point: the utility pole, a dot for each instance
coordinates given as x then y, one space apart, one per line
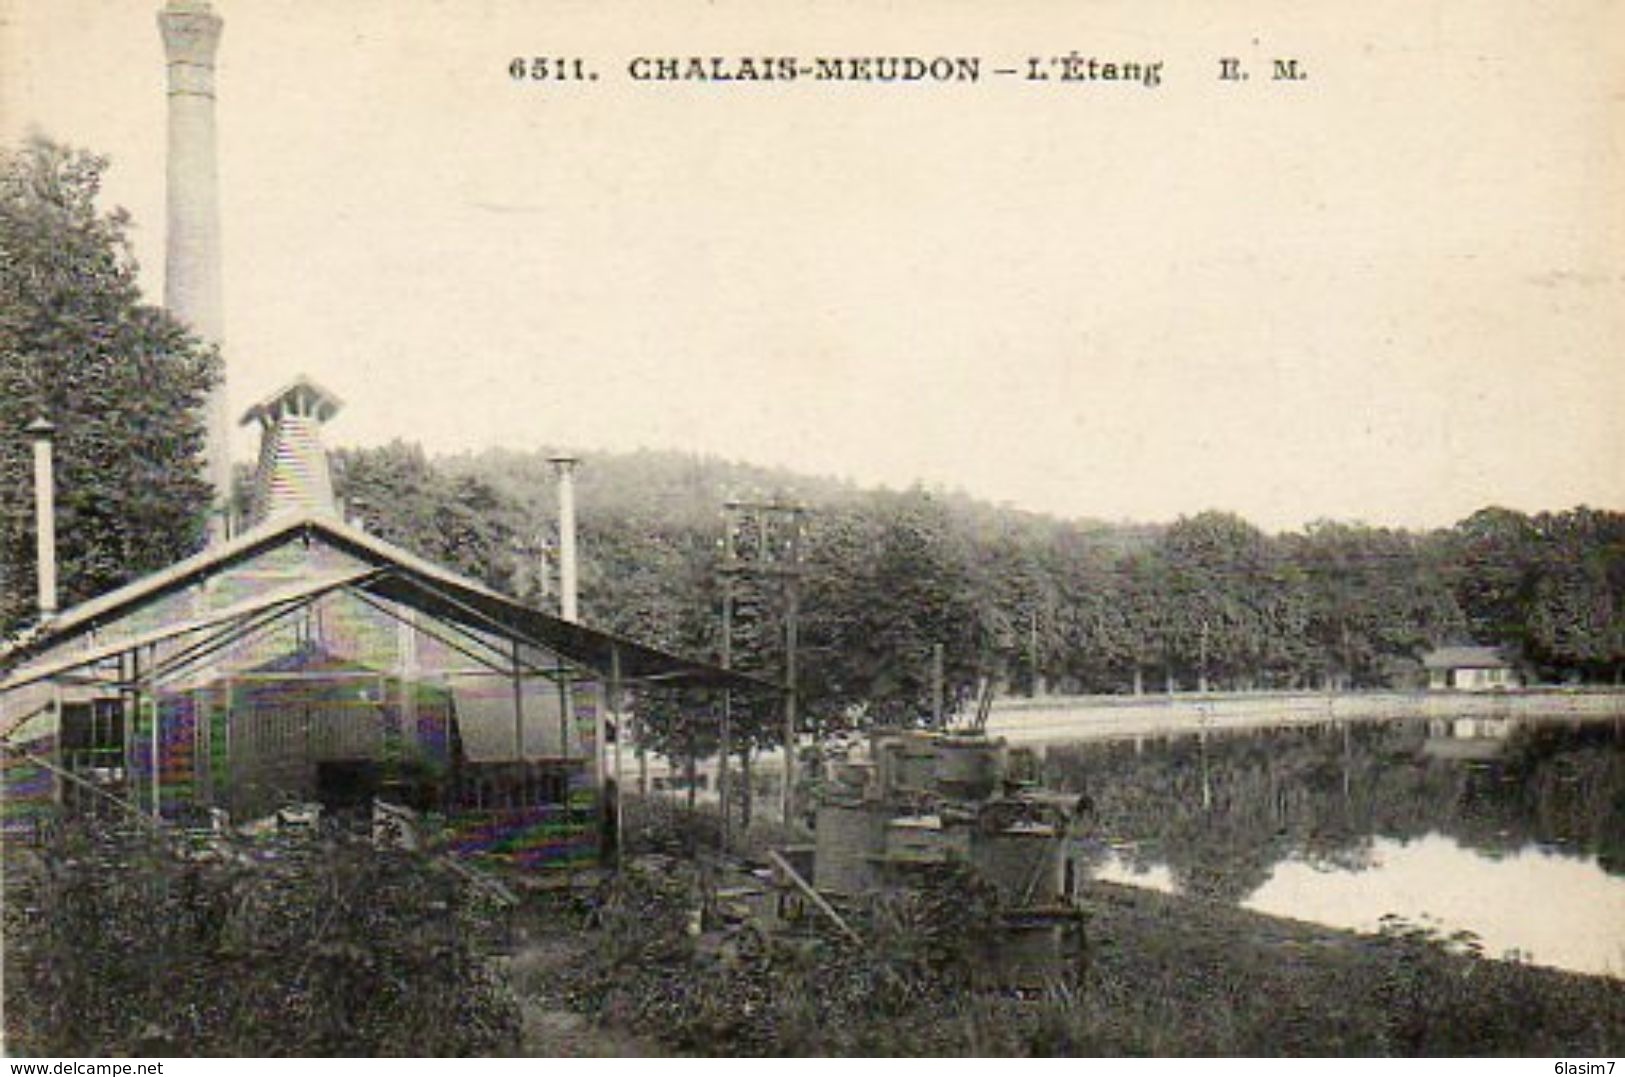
792 621
1201 670
1032 650
729 561
775 520
936 685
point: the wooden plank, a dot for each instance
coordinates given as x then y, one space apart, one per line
814 896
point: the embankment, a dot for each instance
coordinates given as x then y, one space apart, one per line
1072 718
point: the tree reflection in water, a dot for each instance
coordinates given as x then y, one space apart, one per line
1220 810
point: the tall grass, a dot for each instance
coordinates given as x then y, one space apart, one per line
122 942
1165 976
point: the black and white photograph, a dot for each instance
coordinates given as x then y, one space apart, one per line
809 528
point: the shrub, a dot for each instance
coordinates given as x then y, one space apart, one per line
121 941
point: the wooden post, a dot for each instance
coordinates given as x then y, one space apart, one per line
600 732
936 685
723 784
202 723
126 676
59 789
156 740
518 711
1207 783
791 628
643 755
1032 650
615 709
562 680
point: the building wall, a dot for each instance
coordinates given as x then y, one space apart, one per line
1483 680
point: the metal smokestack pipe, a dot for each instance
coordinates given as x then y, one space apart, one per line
44 515
192 288
564 467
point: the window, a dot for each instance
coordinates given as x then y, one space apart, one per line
95 729
91 746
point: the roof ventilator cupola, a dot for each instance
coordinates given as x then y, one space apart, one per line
293 478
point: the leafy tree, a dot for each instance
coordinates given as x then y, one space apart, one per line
1147 615
1094 643
887 582
1576 617
461 522
1374 601
121 380
1233 611
1493 555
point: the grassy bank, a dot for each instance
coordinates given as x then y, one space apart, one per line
116 943
1165 976
1170 975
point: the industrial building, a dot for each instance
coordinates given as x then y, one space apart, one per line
306 661
303 661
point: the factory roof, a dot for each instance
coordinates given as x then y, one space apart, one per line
394 574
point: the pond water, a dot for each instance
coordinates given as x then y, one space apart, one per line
1510 829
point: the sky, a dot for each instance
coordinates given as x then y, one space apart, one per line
1389 291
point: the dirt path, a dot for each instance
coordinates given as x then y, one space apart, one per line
550 1028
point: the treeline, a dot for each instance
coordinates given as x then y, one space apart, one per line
1027 602
1024 601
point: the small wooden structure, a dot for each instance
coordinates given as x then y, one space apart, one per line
1469 669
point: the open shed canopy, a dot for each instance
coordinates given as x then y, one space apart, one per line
379 571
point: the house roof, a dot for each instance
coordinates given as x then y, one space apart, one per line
1466 658
44 666
300 393
400 576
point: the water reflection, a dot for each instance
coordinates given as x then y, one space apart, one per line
1514 830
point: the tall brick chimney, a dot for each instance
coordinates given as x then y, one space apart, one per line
192 290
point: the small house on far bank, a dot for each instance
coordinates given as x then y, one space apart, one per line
1470 669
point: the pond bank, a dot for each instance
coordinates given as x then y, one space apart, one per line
1074 718
1179 976
1166 976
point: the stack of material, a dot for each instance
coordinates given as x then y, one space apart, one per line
921 800
930 798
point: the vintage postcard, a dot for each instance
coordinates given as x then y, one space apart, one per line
812 527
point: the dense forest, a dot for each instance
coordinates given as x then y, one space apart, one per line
1028 602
